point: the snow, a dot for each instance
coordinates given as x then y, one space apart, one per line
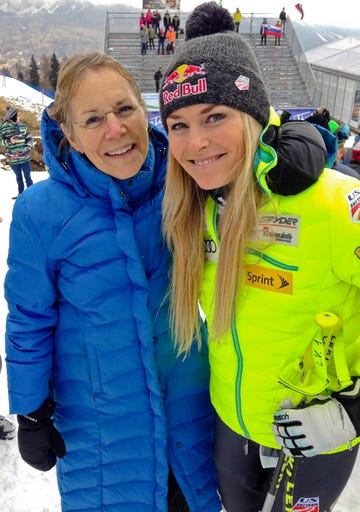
23 488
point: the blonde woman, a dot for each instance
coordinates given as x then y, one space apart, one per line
268 241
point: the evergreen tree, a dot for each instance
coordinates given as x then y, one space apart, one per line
20 75
34 76
54 70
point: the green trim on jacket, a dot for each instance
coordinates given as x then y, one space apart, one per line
303 259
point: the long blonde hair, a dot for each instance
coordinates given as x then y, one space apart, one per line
183 223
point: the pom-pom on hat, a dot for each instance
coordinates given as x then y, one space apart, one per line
214 65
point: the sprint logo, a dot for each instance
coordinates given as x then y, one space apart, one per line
268 279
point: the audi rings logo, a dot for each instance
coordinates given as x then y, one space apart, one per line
210 246
210 250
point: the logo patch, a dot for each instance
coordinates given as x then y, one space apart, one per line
211 252
281 229
353 200
307 505
180 75
242 83
268 279
357 252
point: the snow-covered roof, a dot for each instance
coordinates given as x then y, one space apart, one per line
342 55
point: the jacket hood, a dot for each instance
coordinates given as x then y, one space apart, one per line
331 144
70 167
290 157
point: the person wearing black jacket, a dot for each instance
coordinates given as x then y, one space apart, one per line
157 77
167 20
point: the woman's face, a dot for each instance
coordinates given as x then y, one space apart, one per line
208 142
108 124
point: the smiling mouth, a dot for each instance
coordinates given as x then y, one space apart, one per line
206 161
121 151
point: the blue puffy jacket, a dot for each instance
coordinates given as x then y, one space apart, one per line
88 271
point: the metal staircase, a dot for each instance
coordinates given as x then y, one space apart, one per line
281 71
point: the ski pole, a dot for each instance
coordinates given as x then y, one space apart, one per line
275 482
330 325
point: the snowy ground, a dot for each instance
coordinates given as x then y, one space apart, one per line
23 489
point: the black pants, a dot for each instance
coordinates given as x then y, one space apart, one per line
176 499
243 483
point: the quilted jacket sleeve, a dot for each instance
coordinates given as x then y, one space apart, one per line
30 291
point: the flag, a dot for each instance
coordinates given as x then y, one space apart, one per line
272 30
299 7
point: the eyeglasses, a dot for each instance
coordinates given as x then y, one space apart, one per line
97 120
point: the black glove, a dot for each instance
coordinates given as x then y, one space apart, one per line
38 440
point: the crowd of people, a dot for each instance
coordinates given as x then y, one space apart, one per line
151 29
187 318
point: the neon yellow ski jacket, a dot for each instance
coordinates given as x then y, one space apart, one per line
303 259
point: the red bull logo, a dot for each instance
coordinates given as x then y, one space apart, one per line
186 89
181 73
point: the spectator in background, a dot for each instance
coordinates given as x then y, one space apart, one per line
17 140
170 36
161 41
167 20
156 19
342 133
144 39
157 77
282 17
334 136
263 28
237 19
321 117
151 37
148 18
278 35
142 20
176 23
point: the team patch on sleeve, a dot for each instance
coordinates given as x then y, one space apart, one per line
353 200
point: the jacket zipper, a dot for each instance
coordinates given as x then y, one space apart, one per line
236 345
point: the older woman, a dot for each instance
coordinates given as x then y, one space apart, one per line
92 372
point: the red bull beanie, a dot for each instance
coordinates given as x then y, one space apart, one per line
214 65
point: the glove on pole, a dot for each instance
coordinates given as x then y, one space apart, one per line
318 427
38 440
